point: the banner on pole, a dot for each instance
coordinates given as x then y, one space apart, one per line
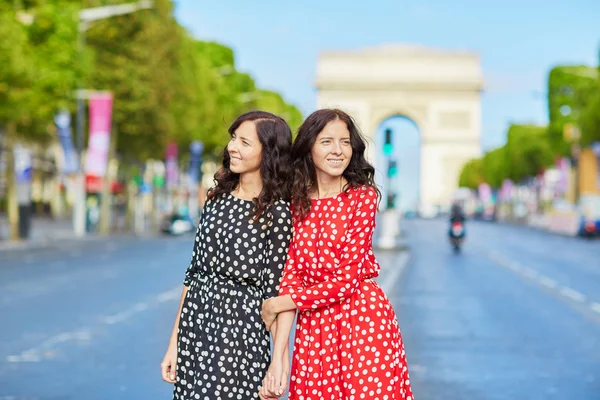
63 125
96 160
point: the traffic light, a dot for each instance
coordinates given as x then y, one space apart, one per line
392 168
388 148
391 201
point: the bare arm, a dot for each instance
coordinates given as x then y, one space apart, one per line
281 334
275 382
281 351
174 333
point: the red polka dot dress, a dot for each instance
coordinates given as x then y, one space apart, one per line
348 343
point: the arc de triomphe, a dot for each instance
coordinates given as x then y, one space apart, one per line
438 90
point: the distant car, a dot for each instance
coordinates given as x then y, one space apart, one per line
589 227
589 216
177 224
410 214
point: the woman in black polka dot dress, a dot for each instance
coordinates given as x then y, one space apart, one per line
220 348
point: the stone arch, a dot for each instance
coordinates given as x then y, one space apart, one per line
438 90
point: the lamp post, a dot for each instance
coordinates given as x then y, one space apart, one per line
86 17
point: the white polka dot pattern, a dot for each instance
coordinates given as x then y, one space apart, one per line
348 343
223 346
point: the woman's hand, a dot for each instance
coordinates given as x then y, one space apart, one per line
275 382
168 365
268 313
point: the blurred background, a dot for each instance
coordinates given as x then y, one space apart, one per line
114 117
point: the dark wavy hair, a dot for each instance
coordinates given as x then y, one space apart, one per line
358 173
275 136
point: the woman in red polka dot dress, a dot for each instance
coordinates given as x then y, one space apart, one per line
348 344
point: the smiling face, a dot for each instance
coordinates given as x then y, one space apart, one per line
332 150
245 149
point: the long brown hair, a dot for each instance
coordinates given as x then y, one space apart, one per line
275 136
358 173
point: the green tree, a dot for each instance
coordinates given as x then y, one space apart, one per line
568 93
527 151
39 75
16 73
274 103
53 40
495 167
471 175
134 57
589 120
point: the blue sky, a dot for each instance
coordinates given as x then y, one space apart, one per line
277 42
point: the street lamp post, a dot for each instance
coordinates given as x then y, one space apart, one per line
86 17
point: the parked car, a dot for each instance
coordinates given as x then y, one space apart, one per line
589 219
178 224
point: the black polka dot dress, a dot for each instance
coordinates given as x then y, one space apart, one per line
223 346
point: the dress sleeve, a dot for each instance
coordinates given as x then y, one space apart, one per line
279 237
292 278
355 251
194 267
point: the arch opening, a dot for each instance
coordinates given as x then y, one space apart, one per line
398 162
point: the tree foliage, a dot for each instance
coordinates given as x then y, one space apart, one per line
527 152
471 175
589 120
167 86
570 89
16 74
38 76
268 100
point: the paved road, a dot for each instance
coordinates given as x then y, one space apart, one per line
89 321
512 317
516 316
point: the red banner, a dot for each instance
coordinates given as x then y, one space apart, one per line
96 160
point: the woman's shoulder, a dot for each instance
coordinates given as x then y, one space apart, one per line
362 193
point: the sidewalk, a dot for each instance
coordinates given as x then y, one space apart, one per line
44 231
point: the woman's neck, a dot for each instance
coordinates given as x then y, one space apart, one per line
249 186
328 186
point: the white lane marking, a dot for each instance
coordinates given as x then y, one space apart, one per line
47 348
572 294
497 257
549 283
528 272
172 294
396 269
515 266
126 314
44 350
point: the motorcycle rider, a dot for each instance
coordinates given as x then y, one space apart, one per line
457 216
456 213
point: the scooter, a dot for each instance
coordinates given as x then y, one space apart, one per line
457 235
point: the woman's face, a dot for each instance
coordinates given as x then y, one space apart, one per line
245 149
332 150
